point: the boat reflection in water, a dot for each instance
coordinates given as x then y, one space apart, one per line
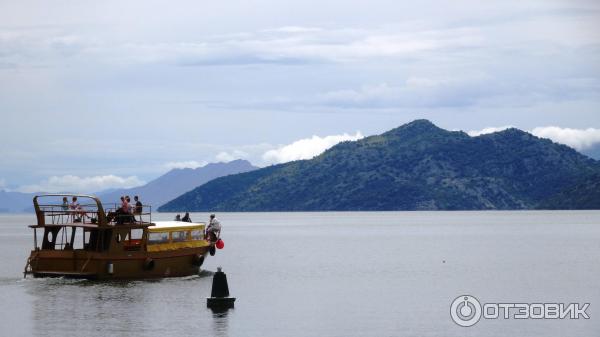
91 242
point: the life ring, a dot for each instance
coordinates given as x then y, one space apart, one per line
148 264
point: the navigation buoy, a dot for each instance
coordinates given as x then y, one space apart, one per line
219 295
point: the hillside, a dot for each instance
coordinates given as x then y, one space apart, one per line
417 166
177 182
583 195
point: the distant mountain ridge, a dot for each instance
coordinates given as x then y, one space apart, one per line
416 166
15 202
154 193
177 182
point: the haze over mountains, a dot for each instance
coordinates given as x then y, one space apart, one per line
15 202
177 182
417 166
154 193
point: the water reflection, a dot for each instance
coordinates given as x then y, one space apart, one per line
220 321
123 308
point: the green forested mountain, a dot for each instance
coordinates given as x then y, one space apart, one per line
583 195
417 166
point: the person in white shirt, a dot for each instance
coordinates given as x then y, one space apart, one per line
213 231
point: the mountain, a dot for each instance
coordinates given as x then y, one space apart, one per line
176 182
417 166
15 202
582 195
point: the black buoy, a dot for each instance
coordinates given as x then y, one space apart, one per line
219 295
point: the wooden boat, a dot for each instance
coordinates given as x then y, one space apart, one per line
93 243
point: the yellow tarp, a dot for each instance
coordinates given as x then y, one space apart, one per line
159 247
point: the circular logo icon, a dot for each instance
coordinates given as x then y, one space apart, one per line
465 310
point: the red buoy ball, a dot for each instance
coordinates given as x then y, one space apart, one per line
220 244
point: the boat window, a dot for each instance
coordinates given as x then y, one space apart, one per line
158 237
136 234
197 234
179 236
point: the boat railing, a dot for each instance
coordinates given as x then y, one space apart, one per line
54 212
116 216
58 214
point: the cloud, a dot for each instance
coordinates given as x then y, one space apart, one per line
284 45
418 91
76 184
184 164
306 148
225 157
484 131
579 139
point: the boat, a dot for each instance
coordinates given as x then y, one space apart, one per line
92 242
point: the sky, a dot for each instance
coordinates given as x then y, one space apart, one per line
105 94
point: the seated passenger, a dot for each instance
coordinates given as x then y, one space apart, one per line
65 204
123 214
186 217
129 207
124 205
77 210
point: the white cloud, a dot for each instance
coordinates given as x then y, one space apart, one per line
423 91
484 131
287 44
225 157
76 184
306 148
184 164
579 139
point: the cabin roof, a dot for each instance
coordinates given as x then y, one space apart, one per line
172 225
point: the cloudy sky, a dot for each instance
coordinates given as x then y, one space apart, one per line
98 94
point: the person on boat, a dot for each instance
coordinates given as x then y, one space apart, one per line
186 217
213 231
178 217
124 205
129 207
138 205
77 210
123 213
65 204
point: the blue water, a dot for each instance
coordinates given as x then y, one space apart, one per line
330 274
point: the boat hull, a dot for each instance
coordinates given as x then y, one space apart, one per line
104 266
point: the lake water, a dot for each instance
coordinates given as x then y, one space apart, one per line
330 274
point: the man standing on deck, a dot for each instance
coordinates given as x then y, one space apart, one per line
138 205
213 231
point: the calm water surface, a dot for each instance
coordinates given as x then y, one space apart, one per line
330 274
